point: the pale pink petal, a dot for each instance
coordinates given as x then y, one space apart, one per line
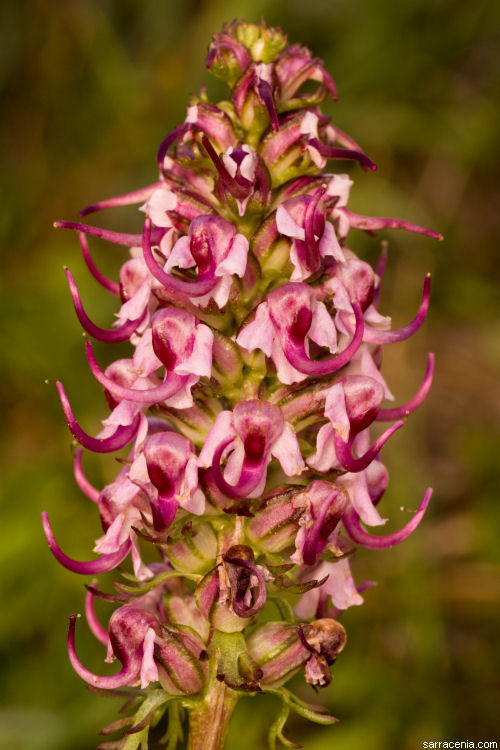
329 244
309 125
322 330
221 430
189 498
339 185
149 670
340 584
219 294
158 204
122 415
141 571
200 361
307 606
110 542
248 164
138 472
180 255
286 450
300 270
183 399
259 334
336 412
234 464
136 305
361 501
145 360
375 319
142 433
363 364
287 374
325 457
235 260
287 226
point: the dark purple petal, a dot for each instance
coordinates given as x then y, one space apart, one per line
360 536
266 94
91 567
249 479
95 626
127 675
81 480
122 436
108 335
126 199
382 262
170 386
372 223
403 411
177 133
236 189
313 261
332 152
240 608
196 288
344 449
296 353
118 238
372 336
111 286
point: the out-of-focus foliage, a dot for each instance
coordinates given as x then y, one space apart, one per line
89 89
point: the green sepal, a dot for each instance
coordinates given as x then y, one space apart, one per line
235 666
311 711
276 730
151 583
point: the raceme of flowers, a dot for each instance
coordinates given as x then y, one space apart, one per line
245 403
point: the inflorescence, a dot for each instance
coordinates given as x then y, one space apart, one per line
246 402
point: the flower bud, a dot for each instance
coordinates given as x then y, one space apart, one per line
278 650
274 527
195 553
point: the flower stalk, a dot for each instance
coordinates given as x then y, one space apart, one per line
245 404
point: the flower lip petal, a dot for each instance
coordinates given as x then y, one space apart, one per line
119 439
343 449
114 335
118 238
126 199
296 354
402 411
362 537
111 286
91 567
171 384
81 480
197 288
332 152
372 336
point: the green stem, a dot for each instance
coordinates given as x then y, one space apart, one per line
209 720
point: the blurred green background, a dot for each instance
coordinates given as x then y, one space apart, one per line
89 88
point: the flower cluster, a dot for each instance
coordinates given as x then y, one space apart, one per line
246 401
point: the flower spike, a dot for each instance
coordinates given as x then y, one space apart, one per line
253 378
